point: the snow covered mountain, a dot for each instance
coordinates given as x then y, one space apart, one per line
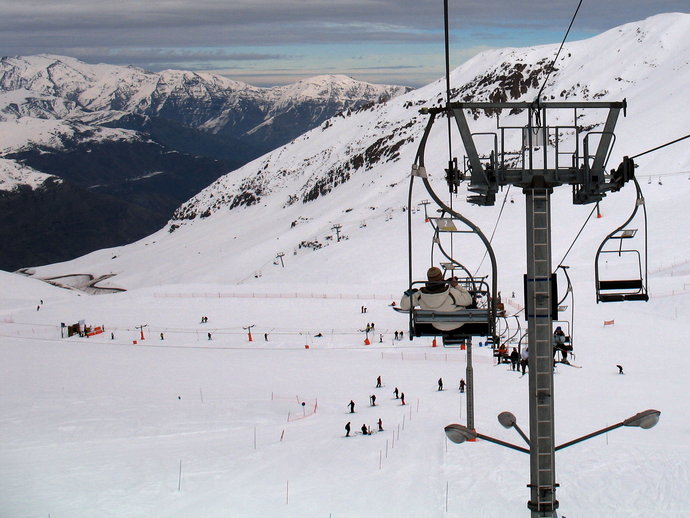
63 88
353 170
137 142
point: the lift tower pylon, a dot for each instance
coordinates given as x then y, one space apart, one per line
544 153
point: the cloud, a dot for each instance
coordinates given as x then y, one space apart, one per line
135 56
170 23
223 33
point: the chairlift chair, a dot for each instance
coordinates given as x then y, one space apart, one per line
473 321
630 285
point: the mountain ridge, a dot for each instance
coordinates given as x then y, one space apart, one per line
65 118
353 170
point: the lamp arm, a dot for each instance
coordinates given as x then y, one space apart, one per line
589 436
503 443
522 434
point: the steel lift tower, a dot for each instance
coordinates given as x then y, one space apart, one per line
551 149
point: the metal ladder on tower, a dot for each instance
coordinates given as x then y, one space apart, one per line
543 501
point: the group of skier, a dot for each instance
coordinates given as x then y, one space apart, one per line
397 394
366 430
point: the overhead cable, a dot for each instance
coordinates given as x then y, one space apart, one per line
576 237
548 72
661 146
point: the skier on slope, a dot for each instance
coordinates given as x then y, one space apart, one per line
351 404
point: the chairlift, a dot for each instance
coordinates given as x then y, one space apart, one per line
567 344
566 308
617 249
479 319
508 333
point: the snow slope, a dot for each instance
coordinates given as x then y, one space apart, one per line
187 427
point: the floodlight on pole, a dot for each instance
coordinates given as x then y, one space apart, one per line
507 420
646 419
458 433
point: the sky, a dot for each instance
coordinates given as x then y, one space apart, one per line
268 43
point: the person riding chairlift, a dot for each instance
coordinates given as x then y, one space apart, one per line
559 343
438 294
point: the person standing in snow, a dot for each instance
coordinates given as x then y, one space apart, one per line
524 359
440 295
373 399
364 430
378 381
440 384
347 429
380 423
395 392
209 336
402 398
462 385
514 359
351 404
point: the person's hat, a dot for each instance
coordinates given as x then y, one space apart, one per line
558 328
434 274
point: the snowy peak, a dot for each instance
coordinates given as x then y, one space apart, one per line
624 55
335 87
68 87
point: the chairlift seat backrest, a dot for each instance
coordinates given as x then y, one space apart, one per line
621 296
622 284
474 322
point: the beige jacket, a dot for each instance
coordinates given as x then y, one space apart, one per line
448 300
